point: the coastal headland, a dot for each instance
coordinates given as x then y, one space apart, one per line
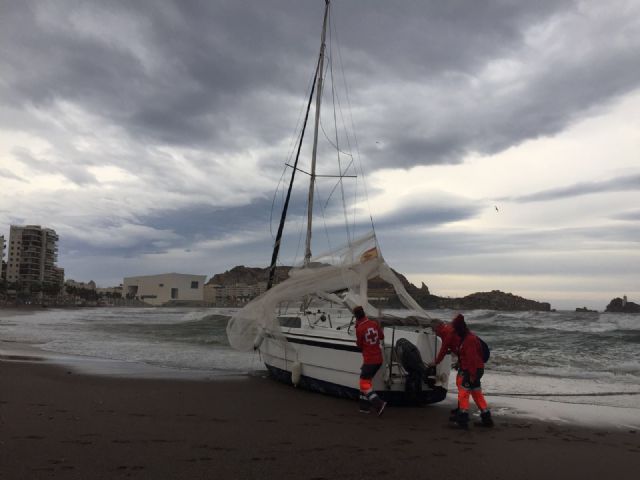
383 295
57 423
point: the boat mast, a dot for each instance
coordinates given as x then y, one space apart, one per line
312 181
276 246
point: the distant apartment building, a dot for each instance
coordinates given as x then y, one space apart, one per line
233 295
3 264
214 294
164 288
32 256
113 291
90 285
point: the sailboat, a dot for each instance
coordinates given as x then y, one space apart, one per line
315 347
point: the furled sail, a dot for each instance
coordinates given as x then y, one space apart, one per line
345 269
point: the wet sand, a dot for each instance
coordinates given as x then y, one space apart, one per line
55 423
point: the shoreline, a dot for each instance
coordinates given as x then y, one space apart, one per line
54 421
85 365
573 409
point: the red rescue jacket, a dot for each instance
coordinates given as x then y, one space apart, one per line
450 341
470 354
369 338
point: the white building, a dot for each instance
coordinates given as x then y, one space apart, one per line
163 288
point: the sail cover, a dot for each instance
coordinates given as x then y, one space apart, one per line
346 270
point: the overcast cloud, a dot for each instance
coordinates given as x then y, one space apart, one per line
152 135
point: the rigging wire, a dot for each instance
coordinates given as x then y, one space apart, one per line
294 140
273 201
324 219
335 124
276 247
355 139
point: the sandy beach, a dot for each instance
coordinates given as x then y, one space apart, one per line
57 423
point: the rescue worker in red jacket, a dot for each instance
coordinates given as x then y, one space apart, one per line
450 344
470 371
369 337
450 340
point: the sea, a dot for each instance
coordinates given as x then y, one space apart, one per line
572 358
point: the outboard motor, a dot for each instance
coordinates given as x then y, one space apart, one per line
409 357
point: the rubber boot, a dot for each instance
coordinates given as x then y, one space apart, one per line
454 414
378 403
486 420
364 404
462 420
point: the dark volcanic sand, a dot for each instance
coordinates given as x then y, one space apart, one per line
56 424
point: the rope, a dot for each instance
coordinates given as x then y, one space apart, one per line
355 138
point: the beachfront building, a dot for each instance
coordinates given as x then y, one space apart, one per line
3 265
90 285
165 288
109 291
214 294
32 257
233 295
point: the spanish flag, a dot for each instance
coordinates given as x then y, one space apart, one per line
369 255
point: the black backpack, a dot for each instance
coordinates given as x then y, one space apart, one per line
486 352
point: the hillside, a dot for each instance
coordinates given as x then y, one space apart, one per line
383 295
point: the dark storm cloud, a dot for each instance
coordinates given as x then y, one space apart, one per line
200 222
418 216
530 252
619 184
188 225
198 62
228 75
190 98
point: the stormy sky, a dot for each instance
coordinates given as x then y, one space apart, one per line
496 143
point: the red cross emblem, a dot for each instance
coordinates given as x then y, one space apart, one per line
371 337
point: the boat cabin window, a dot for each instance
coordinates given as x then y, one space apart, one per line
290 322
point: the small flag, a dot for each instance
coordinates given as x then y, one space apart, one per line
369 255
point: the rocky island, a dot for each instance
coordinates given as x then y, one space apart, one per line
621 305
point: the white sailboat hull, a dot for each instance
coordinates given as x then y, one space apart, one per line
327 360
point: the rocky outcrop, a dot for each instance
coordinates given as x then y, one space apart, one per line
248 275
619 305
496 300
383 295
585 310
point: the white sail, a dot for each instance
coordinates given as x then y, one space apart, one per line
345 270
